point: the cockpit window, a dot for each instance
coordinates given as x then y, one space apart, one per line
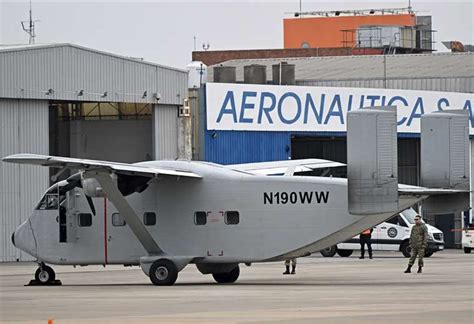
51 199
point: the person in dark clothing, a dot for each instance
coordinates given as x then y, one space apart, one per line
365 238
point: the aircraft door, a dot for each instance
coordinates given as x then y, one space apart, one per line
83 230
121 245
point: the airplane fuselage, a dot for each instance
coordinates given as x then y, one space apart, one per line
225 217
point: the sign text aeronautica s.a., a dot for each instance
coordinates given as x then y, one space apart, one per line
319 109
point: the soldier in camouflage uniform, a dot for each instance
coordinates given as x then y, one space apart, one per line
418 241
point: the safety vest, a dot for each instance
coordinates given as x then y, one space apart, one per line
366 232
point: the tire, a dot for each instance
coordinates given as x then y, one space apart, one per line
428 254
45 276
329 251
344 253
406 249
227 277
163 272
467 250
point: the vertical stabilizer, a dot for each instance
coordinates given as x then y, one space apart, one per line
445 159
445 150
372 170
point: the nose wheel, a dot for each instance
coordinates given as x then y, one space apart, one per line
44 275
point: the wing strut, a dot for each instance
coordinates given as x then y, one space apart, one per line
126 211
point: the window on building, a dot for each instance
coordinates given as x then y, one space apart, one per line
85 220
149 218
102 110
200 218
232 217
118 220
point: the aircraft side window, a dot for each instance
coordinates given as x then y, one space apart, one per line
149 219
401 222
85 220
200 218
118 220
232 217
393 220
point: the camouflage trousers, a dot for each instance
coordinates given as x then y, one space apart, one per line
293 262
417 250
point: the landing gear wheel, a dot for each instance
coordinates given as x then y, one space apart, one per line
227 277
329 251
467 250
45 275
428 254
163 272
344 253
406 249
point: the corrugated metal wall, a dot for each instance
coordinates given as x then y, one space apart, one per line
67 69
464 84
232 147
24 129
165 132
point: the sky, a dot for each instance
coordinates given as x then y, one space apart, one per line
163 31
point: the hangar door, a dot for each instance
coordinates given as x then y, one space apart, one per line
105 131
334 149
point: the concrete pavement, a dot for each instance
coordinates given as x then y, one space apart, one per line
324 290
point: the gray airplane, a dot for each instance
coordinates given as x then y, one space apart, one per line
164 215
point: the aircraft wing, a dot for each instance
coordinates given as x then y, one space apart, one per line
96 165
283 167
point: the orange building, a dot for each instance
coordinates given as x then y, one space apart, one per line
324 32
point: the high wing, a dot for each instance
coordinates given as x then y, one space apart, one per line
96 165
287 167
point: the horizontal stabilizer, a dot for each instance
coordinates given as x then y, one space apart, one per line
372 171
282 167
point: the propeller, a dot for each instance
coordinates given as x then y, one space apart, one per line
75 181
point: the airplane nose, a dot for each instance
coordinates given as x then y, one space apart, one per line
24 240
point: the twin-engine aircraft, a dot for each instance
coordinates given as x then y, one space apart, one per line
164 215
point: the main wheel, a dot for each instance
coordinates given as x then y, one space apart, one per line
344 253
329 251
428 254
406 249
227 277
467 250
45 275
163 272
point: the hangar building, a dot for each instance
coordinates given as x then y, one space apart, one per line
69 100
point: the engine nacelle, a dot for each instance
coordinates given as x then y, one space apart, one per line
92 188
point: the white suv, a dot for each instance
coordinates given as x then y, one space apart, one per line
392 235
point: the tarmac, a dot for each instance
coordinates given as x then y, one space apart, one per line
345 290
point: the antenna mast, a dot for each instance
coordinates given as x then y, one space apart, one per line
30 29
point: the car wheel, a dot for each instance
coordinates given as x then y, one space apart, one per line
406 249
329 251
344 253
428 254
467 250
